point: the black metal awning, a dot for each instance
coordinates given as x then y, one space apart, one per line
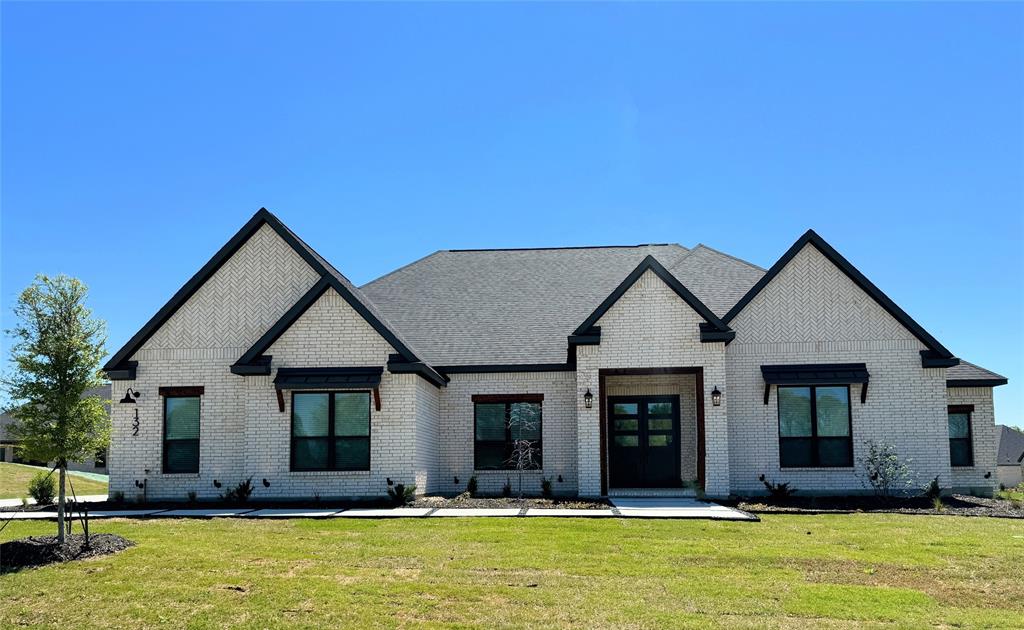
328 378
816 374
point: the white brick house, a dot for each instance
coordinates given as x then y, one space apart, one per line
651 368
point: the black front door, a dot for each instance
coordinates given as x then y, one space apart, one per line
643 441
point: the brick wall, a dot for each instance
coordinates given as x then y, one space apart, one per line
984 438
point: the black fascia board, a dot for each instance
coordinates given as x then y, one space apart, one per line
398 365
282 324
930 359
976 382
591 337
652 264
709 334
812 238
507 367
125 372
260 366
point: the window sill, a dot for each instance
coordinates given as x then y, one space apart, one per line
816 468
506 471
329 473
964 468
180 475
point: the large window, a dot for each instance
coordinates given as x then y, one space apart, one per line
501 422
814 427
961 452
181 434
331 431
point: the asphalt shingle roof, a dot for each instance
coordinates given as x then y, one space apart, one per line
1011 446
967 371
517 306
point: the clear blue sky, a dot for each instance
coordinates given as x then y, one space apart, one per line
136 138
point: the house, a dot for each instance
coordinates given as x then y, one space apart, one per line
1010 460
648 369
9 444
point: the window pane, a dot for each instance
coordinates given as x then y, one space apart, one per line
524 420
833 406
309 415
960 453
627 409
628 424
352 414
352 454
795 452
310 453
659 424
181 456
794 411
490 421
182 418
659 440
834 452
489 456
959 425
659 408
627 440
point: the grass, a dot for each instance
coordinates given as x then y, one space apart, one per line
792 571
1012 494
14 480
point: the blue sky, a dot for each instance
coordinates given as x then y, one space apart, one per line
136 138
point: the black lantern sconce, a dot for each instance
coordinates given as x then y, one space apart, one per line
588 399
716 397
130 396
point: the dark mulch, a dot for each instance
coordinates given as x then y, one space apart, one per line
36 551
955 505
464 500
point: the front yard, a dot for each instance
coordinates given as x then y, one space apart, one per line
14 480
804 571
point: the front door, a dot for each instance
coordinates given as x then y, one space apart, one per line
643 441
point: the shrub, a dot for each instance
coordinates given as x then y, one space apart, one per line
43 488
933 490
400 494
117 497
191 496
777 491
240 493
506 490
937 504
545 488
471 487
883 469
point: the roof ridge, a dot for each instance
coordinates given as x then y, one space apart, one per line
403 267
527 249
727 255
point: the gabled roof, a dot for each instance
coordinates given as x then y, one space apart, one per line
650 263
717 279
969 375
1011 446
119 364
936 355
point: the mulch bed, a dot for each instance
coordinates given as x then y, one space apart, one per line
464 500
955 505
36 551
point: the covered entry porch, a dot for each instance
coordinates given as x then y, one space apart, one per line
651 431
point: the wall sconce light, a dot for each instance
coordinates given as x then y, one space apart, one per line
588 399
130 396
716 397
266 483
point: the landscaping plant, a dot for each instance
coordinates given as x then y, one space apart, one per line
545 488
401 494
884 471
57 349
240 493
42 487
471 486
777 491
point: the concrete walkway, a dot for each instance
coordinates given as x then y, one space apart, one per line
681 508
87 498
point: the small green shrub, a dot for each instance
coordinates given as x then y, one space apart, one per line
777 490
545 488
506 490
937 504
191 496
240 493
117 496
401 494
471 486
933 490
43 488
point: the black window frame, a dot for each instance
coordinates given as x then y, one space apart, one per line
962 409
163 442
331 437
509 443
814 437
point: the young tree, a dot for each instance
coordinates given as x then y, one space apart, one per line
58 346
524 424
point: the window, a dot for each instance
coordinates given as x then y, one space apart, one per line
814 427
961 452
501 421
331 431
181 434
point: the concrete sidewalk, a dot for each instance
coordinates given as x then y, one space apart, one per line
87 498
624 508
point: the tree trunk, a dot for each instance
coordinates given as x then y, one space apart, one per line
60 506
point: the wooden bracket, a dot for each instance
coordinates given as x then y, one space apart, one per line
376 398
280 401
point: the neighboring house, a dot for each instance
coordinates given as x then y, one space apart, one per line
8 445
648 368
1010 460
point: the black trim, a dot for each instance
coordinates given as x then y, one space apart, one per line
329 378
507 367
708 334
978 382
508 444
263 216
397 365
815 373
125 372
969 410
331 438
259 367
812 238
814 437
164 440
281 325
929 359
591 337
650 263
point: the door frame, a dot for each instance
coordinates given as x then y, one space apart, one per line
603 373
641 401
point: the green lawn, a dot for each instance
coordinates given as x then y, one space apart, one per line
802 571
1012 494
14 480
